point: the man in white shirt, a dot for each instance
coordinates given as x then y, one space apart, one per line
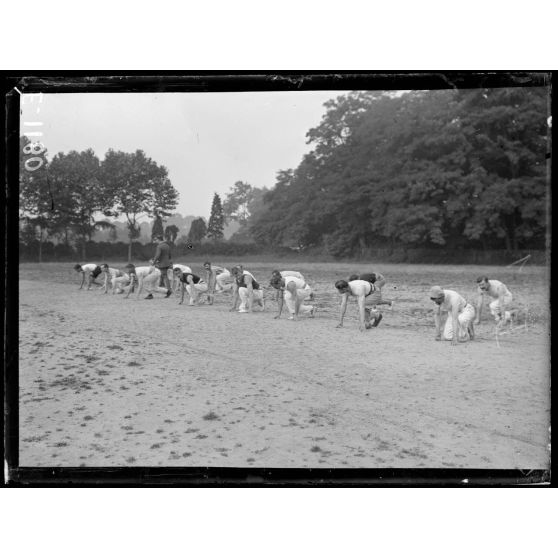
148 277
218 279
501 299
276 276
92 271
294 291
459 323
368 317
378 280
117 278
247 289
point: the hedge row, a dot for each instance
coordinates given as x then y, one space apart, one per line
101 251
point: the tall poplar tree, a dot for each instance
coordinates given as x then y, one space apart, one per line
216 220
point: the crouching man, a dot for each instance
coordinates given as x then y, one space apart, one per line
145 276
92 271
460 315
293 290
247 289
117 279
191 283
500 303
368 317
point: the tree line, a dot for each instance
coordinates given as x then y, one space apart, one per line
448 169
75 195
65 197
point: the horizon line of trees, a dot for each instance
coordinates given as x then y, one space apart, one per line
442 170
446 169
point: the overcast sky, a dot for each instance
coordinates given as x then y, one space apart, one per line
207 141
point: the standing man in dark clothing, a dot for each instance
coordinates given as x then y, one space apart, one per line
163 261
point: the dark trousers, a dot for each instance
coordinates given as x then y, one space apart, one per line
164 281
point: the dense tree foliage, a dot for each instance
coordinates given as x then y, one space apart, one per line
66 197
463 168
198 230
138 187
171 232
157 229
216 219
79 196
35 200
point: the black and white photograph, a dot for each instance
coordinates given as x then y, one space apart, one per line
350 275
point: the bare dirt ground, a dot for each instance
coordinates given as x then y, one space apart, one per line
111 382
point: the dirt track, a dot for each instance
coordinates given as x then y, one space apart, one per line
112 382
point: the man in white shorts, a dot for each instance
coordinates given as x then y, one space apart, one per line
92 271
294 291
459 323
118 279
218 280
148 277
501 299
175 279
247 289
368 317
191 283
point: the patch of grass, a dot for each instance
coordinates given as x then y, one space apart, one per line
316 449
210 416
134 363
115 347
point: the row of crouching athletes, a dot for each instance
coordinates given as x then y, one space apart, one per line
293 291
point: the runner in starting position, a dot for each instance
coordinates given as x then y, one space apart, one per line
294 291
247 289
459 323
368 317
92 271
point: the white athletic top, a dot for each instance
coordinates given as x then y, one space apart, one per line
220 270
88 267
183 268
114 272
359 287
144 271
451 299
493 287
300 283
291 274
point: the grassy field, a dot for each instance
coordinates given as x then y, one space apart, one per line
108 381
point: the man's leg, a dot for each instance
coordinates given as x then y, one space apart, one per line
243 295
223 281
164 278
201 288
259 298
448 329
151 284
465 321
304 308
